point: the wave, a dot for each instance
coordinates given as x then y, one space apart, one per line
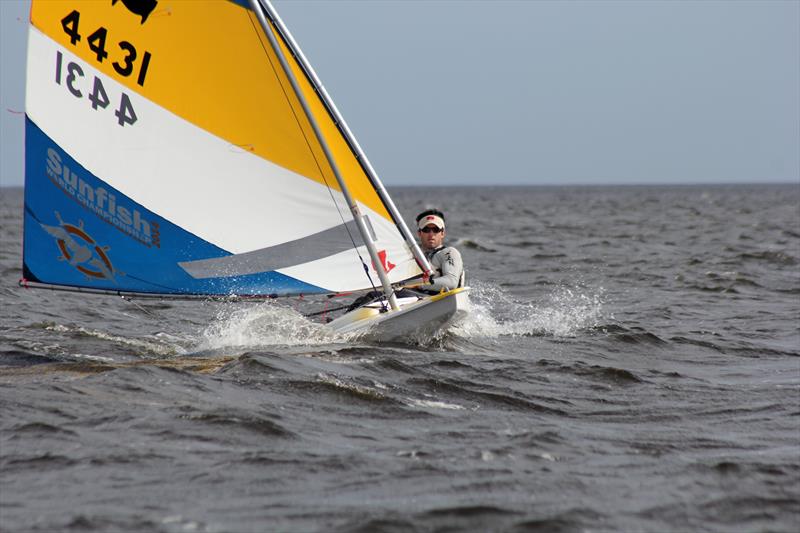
88 522
697 342
474 245
611 375
531 440
748 469
770 256
734 277
616 376
571 521
745 513
565 312
47 461
240 420
476 517
262 325
472 394
375 393
160 344
633 335
38 430
49 352
382 525
24 358
470 511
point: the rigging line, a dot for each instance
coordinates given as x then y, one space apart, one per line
308 142
289 101
274 27
136 304
348 136
24 283
324 311
153 283
333 113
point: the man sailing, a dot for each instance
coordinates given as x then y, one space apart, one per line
448 268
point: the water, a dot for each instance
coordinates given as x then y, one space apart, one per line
632 364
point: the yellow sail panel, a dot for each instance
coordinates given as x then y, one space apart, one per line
207 62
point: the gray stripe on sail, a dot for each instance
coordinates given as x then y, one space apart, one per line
323 244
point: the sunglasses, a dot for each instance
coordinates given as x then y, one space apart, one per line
428 229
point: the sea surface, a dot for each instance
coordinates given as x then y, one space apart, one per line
632 363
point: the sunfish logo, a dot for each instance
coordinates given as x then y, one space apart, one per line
142 8
119 212
81 251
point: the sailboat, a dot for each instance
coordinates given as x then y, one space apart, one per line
188 150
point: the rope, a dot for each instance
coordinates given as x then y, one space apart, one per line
142 309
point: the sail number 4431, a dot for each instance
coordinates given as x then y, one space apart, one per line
126 56
72 72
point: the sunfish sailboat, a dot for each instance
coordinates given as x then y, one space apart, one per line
187 149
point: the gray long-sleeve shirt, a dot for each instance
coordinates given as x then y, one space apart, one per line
448 268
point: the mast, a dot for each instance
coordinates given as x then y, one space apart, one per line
359 153
354 209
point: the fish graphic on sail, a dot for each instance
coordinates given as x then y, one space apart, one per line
69 239
143 8
198 149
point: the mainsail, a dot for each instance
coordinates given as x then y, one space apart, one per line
168 152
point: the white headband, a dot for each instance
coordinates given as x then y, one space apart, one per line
431 219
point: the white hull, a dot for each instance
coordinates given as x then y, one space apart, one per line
416 320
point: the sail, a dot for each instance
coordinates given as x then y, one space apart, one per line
167 152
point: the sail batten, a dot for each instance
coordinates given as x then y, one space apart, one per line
159 160
328 242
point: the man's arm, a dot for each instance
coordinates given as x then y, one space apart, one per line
451 267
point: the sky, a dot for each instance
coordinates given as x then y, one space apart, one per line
455 92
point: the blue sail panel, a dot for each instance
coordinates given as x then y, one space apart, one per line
81 232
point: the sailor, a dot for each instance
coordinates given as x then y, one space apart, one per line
448 268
